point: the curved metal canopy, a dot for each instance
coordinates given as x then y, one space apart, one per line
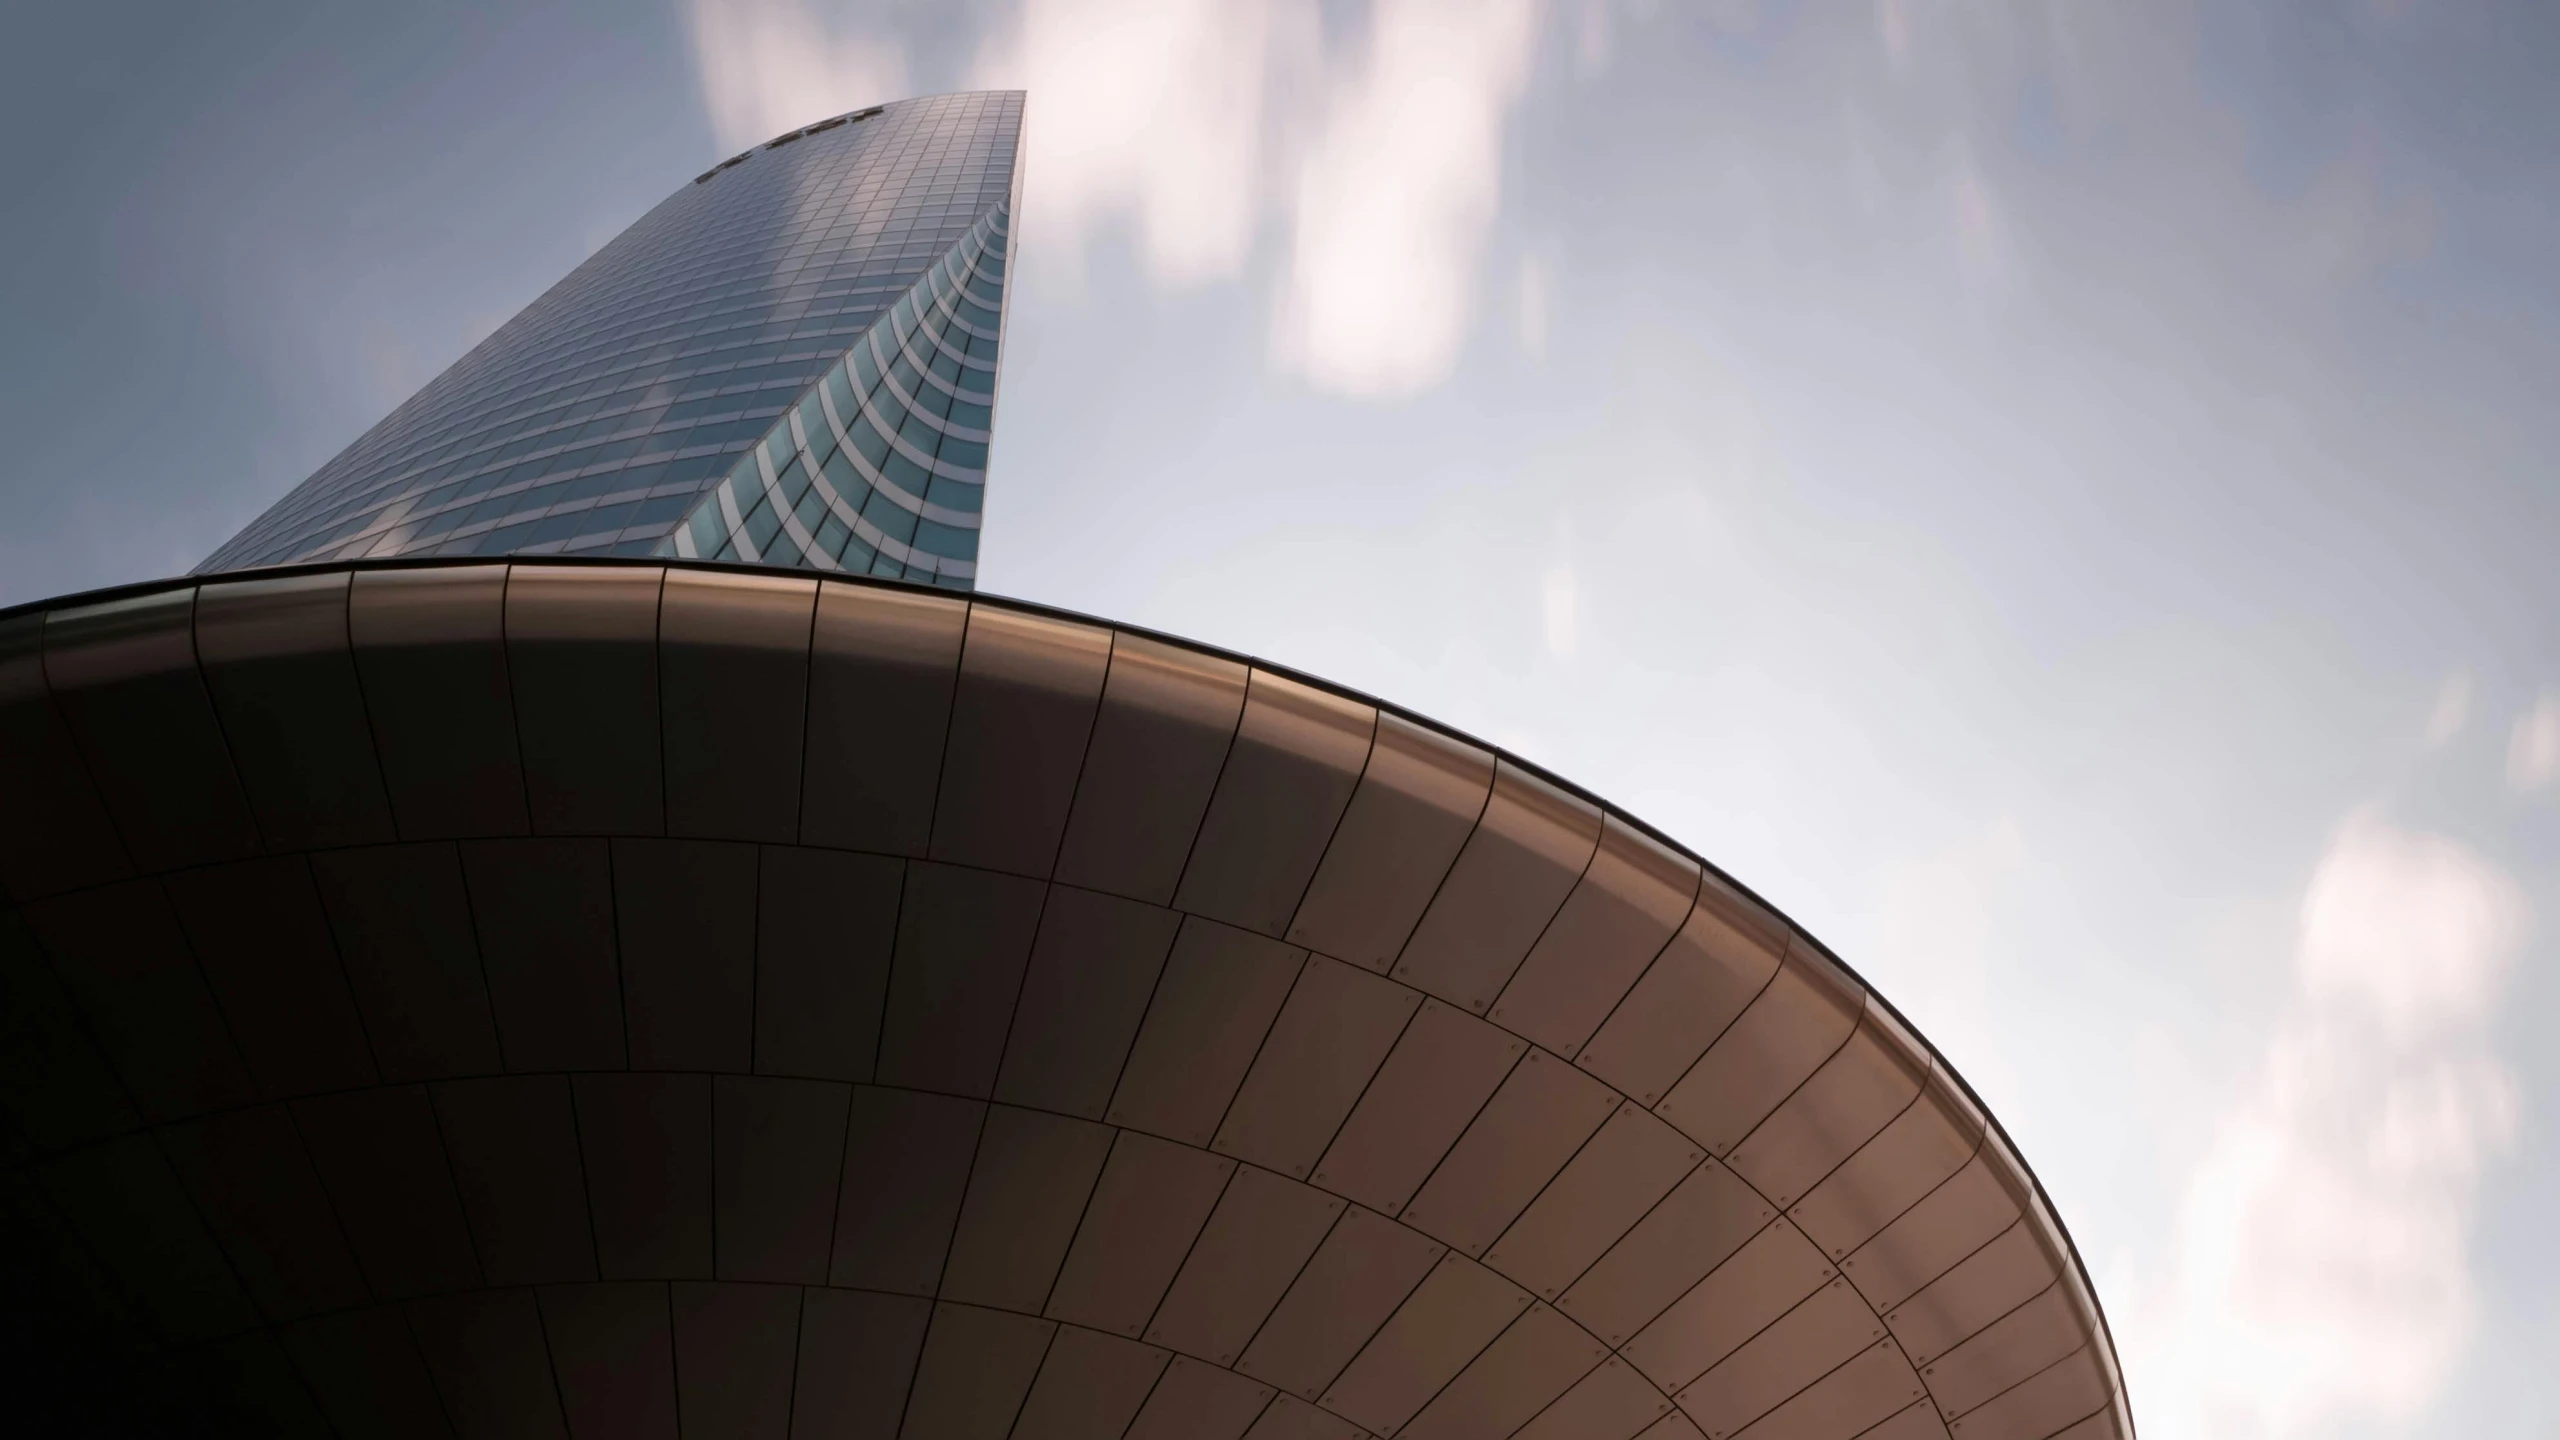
595 999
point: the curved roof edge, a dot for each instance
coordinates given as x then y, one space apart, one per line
2043 1203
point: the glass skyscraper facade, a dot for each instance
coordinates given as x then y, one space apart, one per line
791 360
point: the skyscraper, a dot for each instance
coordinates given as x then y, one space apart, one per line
478 960
849 274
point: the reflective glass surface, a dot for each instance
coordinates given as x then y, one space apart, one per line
879 468
609 409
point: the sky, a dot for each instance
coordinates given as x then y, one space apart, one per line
2060 497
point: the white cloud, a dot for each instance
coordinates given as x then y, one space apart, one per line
1197 124
1592 38
2322 1269
1152 110
1561 597
1395 195
1532 310
1980 223
2533 747
767 66
2452 709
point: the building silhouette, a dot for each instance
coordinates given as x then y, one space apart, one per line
576 923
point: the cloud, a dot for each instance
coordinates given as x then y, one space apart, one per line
1531 313
1393 198
1152 110
2322 1269
2533 747
1560 595
1203 125
766 66
2452 710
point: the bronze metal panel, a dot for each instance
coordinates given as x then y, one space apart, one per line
906 1165
1918 1422
382 1161
1446 1323
430 650
977 1369
1330 1039
1982 1287
1029 1187
1356 1279
123 676
1830 1328
1090 1387
882 664
490 1364
1795 1024
1145 1211
646 1140
1220 992
1167 717
364 1369
1538 1359
1093 968
582 653
825 931
1704 1220
1856 1093
1674 1426
1930 1140
964 937
2007 1351
1629 1165
1613 1402
543 912
1629 902
250 1374
119 954
513 1144
688 953
56 1085
1020 717
403 929
858 1354
1536 1122
1443 1069
2100 1426
257 1193
126 1203
1525 856
1720 959
733 681
1298 754
1417 802
777 1148
1193 1401
1254 1245
1289 1418
54 830
1948 1224
1875 1387
1762 1281
2050 1402
613 1353
264 946
277 662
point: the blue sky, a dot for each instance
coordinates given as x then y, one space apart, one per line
2059 496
